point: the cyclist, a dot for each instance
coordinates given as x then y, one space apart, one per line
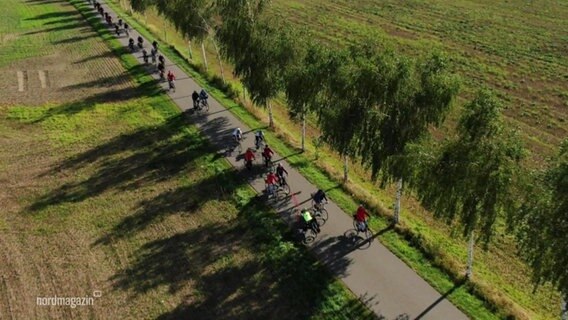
249 158
171 80
162 60
131 44
203 96
258 138
271 181
319 197
140 42
145 56
281 173
267 154
309 221
155 45
126 29
361 217
237 135
153 52
195 98
117 30
161 70
120 22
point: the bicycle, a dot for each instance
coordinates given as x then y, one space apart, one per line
203 105
307 233
268 161
320 211
362 227
259 143
283 186
238 145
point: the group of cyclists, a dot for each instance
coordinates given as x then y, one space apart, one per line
360 217
276 177
121 26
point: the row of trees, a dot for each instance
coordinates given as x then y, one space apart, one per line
378 107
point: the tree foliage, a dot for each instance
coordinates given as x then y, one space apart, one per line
405 98
261 48
192 18
543 224
471 178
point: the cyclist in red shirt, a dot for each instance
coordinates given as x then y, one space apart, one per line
249 158
267 154
171 79
271 181
361 217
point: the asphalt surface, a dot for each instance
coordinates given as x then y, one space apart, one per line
385 283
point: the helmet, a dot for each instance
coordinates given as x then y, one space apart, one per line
279 164
265 146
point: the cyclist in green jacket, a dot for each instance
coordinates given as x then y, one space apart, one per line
309 221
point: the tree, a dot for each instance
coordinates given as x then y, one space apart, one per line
261 48
470 179
194 19
339 110
542 224
404 99
305 81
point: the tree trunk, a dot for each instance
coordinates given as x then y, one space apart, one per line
469 269
345 168
564 309
204 56
145 19
189 49
165 33
303 132
396 215
220 60
270 115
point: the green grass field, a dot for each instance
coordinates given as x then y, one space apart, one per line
123 196
516 47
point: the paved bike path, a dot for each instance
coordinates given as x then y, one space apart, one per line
370 270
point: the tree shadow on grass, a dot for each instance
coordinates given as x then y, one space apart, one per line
148 155
282 280
79 25
44 2
79 39
102 82
53 15
104 55
63 21
184 199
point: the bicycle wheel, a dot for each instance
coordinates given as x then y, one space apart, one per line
285 188
319 218
323 213
309 236
368 234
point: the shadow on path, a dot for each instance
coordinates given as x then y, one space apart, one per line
458 285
